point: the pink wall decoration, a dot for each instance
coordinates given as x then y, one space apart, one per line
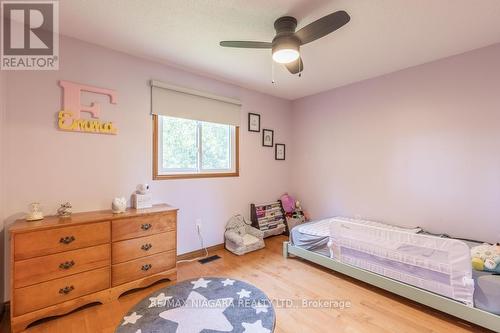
70 116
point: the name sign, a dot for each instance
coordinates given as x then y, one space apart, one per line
69 118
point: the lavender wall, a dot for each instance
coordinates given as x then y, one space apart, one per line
417 147
47 165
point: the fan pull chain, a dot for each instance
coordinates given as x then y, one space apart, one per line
272 73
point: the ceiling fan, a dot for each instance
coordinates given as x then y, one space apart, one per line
287 42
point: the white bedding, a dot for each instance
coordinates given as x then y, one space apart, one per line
320 228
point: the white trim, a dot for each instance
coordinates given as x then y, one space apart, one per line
189 91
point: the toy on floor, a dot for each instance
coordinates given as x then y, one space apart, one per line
293 212
288 203
241 237
486 257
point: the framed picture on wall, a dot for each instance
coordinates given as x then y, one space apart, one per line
279 152
253 122
267 137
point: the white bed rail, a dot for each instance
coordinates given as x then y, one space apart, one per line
440 265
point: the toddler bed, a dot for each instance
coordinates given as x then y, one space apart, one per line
431 270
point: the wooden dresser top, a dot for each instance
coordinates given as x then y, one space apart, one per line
86 217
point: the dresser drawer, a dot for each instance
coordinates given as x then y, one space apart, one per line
45 294
143 226
144 246
44 242
139 268
54 266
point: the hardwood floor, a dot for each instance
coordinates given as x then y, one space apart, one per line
372 310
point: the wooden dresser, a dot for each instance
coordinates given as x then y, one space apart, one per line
60 264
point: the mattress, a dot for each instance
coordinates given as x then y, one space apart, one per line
312 236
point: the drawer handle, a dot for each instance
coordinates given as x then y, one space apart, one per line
146 247
146 226
66 290
146 267
67 264
67 239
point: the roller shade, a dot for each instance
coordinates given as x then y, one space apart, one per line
179 102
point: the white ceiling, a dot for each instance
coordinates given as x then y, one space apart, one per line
383 36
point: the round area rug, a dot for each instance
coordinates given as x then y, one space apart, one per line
204 305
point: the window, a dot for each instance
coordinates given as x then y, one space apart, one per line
185 148
195 133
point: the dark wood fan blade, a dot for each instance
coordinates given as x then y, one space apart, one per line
295 67
323 26
246 45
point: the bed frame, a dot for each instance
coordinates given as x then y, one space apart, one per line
438 302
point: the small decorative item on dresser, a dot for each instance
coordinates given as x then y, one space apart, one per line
142 198
119 205
65 210
253 122
35 213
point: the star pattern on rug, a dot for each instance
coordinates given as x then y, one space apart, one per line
200 283
159 301
228 282
132 319
260 307
244 293
195 316
202 304
255 327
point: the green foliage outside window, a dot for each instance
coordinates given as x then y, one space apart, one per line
180 141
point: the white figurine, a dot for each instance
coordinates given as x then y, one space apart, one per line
119 205
35 213
64 210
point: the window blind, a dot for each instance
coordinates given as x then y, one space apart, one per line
179 102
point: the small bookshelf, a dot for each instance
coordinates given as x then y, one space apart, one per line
269 218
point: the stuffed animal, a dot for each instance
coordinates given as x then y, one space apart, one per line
288 203
486 257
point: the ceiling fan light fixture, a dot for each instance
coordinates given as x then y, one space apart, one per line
285 56
285 50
